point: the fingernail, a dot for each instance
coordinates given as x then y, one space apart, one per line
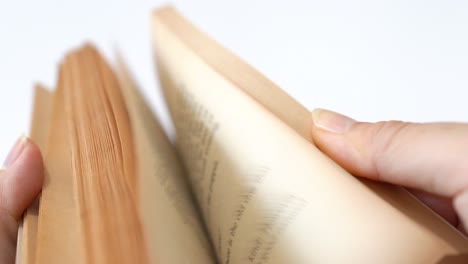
331 121
16 151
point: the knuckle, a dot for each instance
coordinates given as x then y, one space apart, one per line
386 134
384 138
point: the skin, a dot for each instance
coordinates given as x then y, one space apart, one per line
20 182
429 159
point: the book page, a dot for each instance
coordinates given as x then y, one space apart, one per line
25 251
173 229
266 194
103 161
58 232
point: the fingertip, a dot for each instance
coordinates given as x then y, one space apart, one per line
22 180
322 137
331 121
330 133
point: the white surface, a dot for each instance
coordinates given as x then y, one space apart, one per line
387 60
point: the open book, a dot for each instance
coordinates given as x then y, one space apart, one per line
242 183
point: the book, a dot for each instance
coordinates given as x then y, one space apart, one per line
241 182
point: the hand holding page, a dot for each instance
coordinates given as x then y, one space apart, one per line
243 184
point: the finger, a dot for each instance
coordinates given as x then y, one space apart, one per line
441 205
429 157
20 182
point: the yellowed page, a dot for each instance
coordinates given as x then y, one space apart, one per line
58 235
41 116
266 194
103 160
172 225
25 252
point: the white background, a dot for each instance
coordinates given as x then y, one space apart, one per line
373 60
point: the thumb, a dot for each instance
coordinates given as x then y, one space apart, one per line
20 182
430 157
